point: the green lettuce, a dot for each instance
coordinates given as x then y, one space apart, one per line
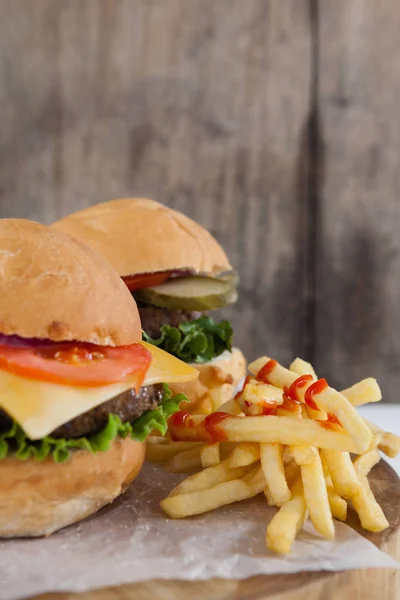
197 341
14 441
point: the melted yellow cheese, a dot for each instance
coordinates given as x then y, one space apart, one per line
40 407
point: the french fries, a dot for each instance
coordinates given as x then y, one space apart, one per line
327 398
274 473
364 463
316 497
179 506
363 392
278 438
209 455
389 443
337 505
288 521
342 472
302 367
184 462
161 452
268 429
245 453
208 478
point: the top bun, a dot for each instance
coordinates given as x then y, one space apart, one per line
53 287
137 235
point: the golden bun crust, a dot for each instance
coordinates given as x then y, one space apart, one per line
39 498
220 375
137 235
54 287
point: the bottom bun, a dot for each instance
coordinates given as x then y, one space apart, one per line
219 377
39 498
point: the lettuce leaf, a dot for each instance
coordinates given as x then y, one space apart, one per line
196 341
15 442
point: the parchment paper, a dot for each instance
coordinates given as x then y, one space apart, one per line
132 540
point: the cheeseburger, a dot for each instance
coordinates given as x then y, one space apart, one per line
177 273
79 390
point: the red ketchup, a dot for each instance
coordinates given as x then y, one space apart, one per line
176 422
300 382
211 425
268 408
266 370
289 403
331 422
240 392
316 388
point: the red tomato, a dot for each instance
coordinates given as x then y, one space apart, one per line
146 280
77 364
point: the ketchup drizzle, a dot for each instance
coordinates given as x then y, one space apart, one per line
300 382
211 425
316 388
266 370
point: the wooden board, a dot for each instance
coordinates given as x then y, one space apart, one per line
354 585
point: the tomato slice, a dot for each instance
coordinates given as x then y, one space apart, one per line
146 280
77 364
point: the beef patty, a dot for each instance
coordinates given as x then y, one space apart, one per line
128 406
153 317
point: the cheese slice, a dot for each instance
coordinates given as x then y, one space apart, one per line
39 407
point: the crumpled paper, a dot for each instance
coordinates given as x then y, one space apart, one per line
132 541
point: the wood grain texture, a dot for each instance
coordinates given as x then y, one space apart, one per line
200 105
367 584
358 246
274 124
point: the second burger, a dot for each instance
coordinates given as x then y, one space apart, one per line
177 273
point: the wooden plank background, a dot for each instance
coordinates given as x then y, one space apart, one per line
273 123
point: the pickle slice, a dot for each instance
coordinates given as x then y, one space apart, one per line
231 277
189 293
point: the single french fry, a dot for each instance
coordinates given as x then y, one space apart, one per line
209 455
217 397
295 411
198 502
319 415
328 400
316 496
252 472
266 429
278 376
184 462
274 473
364 463
255 479
302 367
231 407
208 478
389 443
363 392
342 472
260 393
337 505
161 452
370 513
303 454
287 522
292 471
245 453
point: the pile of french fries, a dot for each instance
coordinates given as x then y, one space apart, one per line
286 435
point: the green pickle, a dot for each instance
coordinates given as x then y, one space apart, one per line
190 293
